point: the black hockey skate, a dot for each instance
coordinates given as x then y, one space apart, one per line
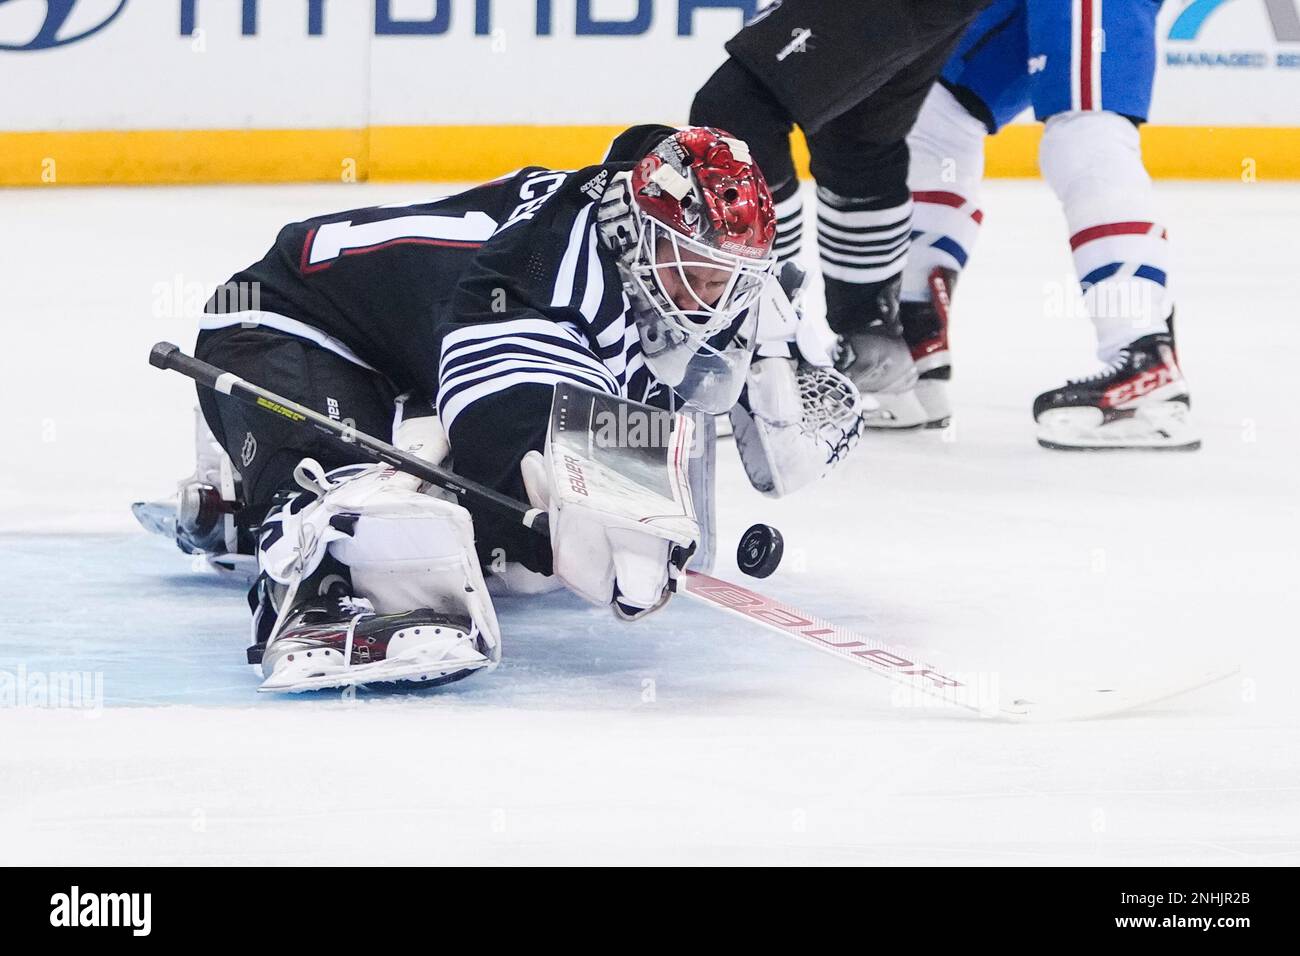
874 355
333 639
1140 400
925 329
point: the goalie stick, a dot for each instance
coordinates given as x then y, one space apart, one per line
892 662
913 676
165 355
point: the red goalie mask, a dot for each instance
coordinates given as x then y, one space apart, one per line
697 250
702 184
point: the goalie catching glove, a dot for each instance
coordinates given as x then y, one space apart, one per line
795 420
794 424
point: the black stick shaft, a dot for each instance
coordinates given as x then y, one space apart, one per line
165 355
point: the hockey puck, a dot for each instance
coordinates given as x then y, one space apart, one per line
760 550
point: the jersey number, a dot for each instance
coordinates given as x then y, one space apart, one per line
326 243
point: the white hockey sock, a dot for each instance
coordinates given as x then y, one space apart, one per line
945 172
862 240
1093 161
789 222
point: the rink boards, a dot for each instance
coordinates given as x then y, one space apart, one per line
205 91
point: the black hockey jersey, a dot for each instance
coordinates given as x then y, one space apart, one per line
480 302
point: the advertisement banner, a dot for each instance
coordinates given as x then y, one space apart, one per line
141 90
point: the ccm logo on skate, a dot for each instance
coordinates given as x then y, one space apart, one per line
760 609
1138 386
74 908
576 479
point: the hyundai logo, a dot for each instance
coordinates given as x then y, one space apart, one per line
55 30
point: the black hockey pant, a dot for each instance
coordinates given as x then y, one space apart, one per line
264 447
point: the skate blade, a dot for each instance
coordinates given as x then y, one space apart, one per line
1090 703
1162 427
380 672
932 393
1192 445
896 411
240 567
156 517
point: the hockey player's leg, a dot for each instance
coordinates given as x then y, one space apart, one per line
735 100
946 171
264 448
864 226
984 84
1140 398
244 456
855 97
1091 156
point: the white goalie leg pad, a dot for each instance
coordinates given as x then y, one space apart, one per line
405 549
799 421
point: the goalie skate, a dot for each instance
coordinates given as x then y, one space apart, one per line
201 518
341 642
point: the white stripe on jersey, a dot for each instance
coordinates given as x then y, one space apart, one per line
621 356
612 333
596 344
631 355
525 337
595 290
562 294
448 411
281 323
572 329
608 331
1076 50
496 368
525 352
480 360
1097 42
634 365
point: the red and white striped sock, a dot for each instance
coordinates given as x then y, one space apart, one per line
1093 161
945 173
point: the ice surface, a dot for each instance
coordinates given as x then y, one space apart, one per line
689 737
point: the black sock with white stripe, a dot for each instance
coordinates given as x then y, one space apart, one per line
863 244
789 221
